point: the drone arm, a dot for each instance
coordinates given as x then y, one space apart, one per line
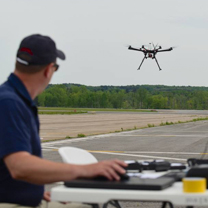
169 49
135 49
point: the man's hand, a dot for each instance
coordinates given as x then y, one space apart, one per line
29 168
107 168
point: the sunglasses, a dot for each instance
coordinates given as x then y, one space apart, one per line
56 66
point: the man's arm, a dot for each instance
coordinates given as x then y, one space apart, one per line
26 167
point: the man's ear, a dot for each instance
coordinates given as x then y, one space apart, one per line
47 70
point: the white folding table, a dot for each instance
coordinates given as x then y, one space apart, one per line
173 194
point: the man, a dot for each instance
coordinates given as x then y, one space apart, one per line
22 170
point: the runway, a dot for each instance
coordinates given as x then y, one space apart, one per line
175 143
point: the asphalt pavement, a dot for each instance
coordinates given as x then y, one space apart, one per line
175 143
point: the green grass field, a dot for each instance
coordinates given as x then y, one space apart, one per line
59 110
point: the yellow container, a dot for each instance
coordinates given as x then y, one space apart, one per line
194 185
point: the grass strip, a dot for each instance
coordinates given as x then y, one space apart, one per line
60 112
92 109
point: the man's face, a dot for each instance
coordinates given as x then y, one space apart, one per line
56 66
48 73
53 67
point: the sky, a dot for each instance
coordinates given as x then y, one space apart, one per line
94 35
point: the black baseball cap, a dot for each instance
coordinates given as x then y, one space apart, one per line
38 50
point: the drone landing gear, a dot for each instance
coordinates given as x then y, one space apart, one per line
152 58
141 63
157 64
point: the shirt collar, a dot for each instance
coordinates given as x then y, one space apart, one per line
20 88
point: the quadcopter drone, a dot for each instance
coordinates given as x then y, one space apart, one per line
150 53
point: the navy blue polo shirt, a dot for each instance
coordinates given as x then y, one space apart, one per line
19 131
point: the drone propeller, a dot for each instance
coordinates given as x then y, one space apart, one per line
153 45
145 46
156 47
172 47
166 46
135 46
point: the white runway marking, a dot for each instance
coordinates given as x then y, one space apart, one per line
143 156
68 141
49 147
178 153
153 135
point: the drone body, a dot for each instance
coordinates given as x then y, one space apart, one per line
150 53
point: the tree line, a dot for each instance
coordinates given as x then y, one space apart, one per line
126 97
